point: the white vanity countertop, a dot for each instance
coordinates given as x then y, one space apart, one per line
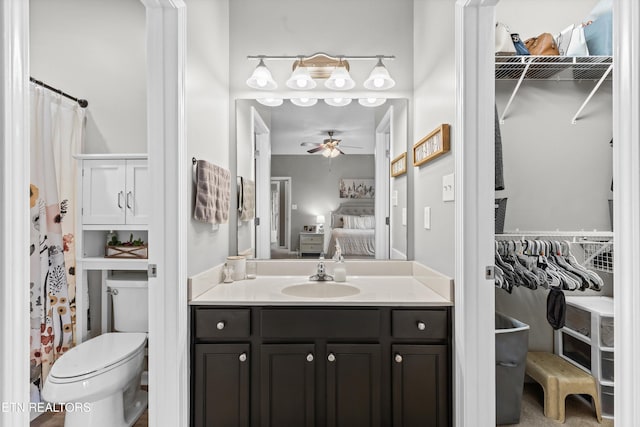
394 290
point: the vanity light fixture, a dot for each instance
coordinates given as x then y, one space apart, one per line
261 78
301 79
379 78
270 102
371 102
340 79
338 102
334 69
304 102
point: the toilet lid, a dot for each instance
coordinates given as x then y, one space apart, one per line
97 354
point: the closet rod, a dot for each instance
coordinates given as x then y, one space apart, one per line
82 102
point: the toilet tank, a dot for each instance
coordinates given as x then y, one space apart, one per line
130 298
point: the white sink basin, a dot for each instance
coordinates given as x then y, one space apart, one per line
320 290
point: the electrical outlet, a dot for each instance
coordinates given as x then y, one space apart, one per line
427 218
447 188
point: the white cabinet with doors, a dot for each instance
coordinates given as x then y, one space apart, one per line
115 191
113 196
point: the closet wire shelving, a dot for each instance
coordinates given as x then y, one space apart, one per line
520 68
593 249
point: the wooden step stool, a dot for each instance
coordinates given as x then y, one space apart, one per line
559 379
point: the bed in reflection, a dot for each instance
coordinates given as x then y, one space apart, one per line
353 228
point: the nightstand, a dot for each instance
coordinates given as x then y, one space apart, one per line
311 243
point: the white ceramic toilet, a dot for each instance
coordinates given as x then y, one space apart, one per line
102 376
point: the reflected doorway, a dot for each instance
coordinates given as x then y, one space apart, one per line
280 223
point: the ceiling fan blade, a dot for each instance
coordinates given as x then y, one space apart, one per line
315 150
350 146
311 144
340 151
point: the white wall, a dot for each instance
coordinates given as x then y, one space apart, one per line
557 175
207 113
318 196
95 50
434 104
398 185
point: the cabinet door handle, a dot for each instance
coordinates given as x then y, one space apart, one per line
129 195
422 326
310 357
220 325
398 358
120 194
243 357
331 357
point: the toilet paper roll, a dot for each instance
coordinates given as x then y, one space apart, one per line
239 265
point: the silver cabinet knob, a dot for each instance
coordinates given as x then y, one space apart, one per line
309 357
331 357
422 326
243 357
220 325
398 358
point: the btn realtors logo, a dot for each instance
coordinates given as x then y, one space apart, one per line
44 407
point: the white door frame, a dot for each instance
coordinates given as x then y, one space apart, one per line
474 296
287 204
14 213
382 171
262 152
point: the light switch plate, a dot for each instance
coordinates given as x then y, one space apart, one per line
427 218
394 198
294 207
404 216
447 188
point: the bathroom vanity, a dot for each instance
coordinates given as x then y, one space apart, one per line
262 357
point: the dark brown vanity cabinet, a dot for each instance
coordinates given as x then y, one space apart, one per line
319 366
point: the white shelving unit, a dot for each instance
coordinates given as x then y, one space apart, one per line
586 341
113 194
520 68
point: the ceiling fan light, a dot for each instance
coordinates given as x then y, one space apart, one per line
261 78
304 102
371 102
270 102
379 78
338 102
301 79
340 80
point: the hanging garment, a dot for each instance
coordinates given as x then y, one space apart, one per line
556 308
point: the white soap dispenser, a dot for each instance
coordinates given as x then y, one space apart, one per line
340 270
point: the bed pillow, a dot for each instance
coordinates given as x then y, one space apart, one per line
337 221
355 222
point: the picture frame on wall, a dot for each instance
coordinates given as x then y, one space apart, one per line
399 165
432 146
357 188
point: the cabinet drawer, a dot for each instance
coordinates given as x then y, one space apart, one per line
430 324
576 350
222 323
320 323
311 239
311 248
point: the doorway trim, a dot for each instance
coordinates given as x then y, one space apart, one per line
384 132
262 154
14 211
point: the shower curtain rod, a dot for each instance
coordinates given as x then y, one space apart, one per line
82 102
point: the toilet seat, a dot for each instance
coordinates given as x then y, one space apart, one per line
96 356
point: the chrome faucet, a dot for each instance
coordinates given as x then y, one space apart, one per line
321 273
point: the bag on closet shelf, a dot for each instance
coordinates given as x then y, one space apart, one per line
504 44
521 49
544 45
578 44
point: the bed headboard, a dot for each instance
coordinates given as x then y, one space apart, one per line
351 208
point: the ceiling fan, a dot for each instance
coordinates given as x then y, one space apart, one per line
329 146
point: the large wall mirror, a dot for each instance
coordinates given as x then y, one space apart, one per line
313 178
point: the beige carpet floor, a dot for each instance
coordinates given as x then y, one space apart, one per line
578 412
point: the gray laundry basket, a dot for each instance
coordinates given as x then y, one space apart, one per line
512 344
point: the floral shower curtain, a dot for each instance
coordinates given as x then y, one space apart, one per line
56 134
